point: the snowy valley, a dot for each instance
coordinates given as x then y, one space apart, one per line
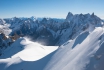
74 43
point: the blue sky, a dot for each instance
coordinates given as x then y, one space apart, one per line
49 8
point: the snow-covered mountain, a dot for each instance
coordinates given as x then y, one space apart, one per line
50 31
80 38
43 30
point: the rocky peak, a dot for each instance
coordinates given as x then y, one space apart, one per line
69 16
44 20
2 22
92 14
81 14
33 18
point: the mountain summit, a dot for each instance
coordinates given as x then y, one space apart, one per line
31 43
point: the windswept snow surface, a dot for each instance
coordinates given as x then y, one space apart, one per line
23 51
76 54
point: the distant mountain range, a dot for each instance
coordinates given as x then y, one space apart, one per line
79 36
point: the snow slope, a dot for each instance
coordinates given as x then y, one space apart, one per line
22 52
82 35
76 54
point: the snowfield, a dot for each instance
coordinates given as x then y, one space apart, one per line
23 50
76 55
33 51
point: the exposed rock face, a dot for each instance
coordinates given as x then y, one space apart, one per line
69 16
53 31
